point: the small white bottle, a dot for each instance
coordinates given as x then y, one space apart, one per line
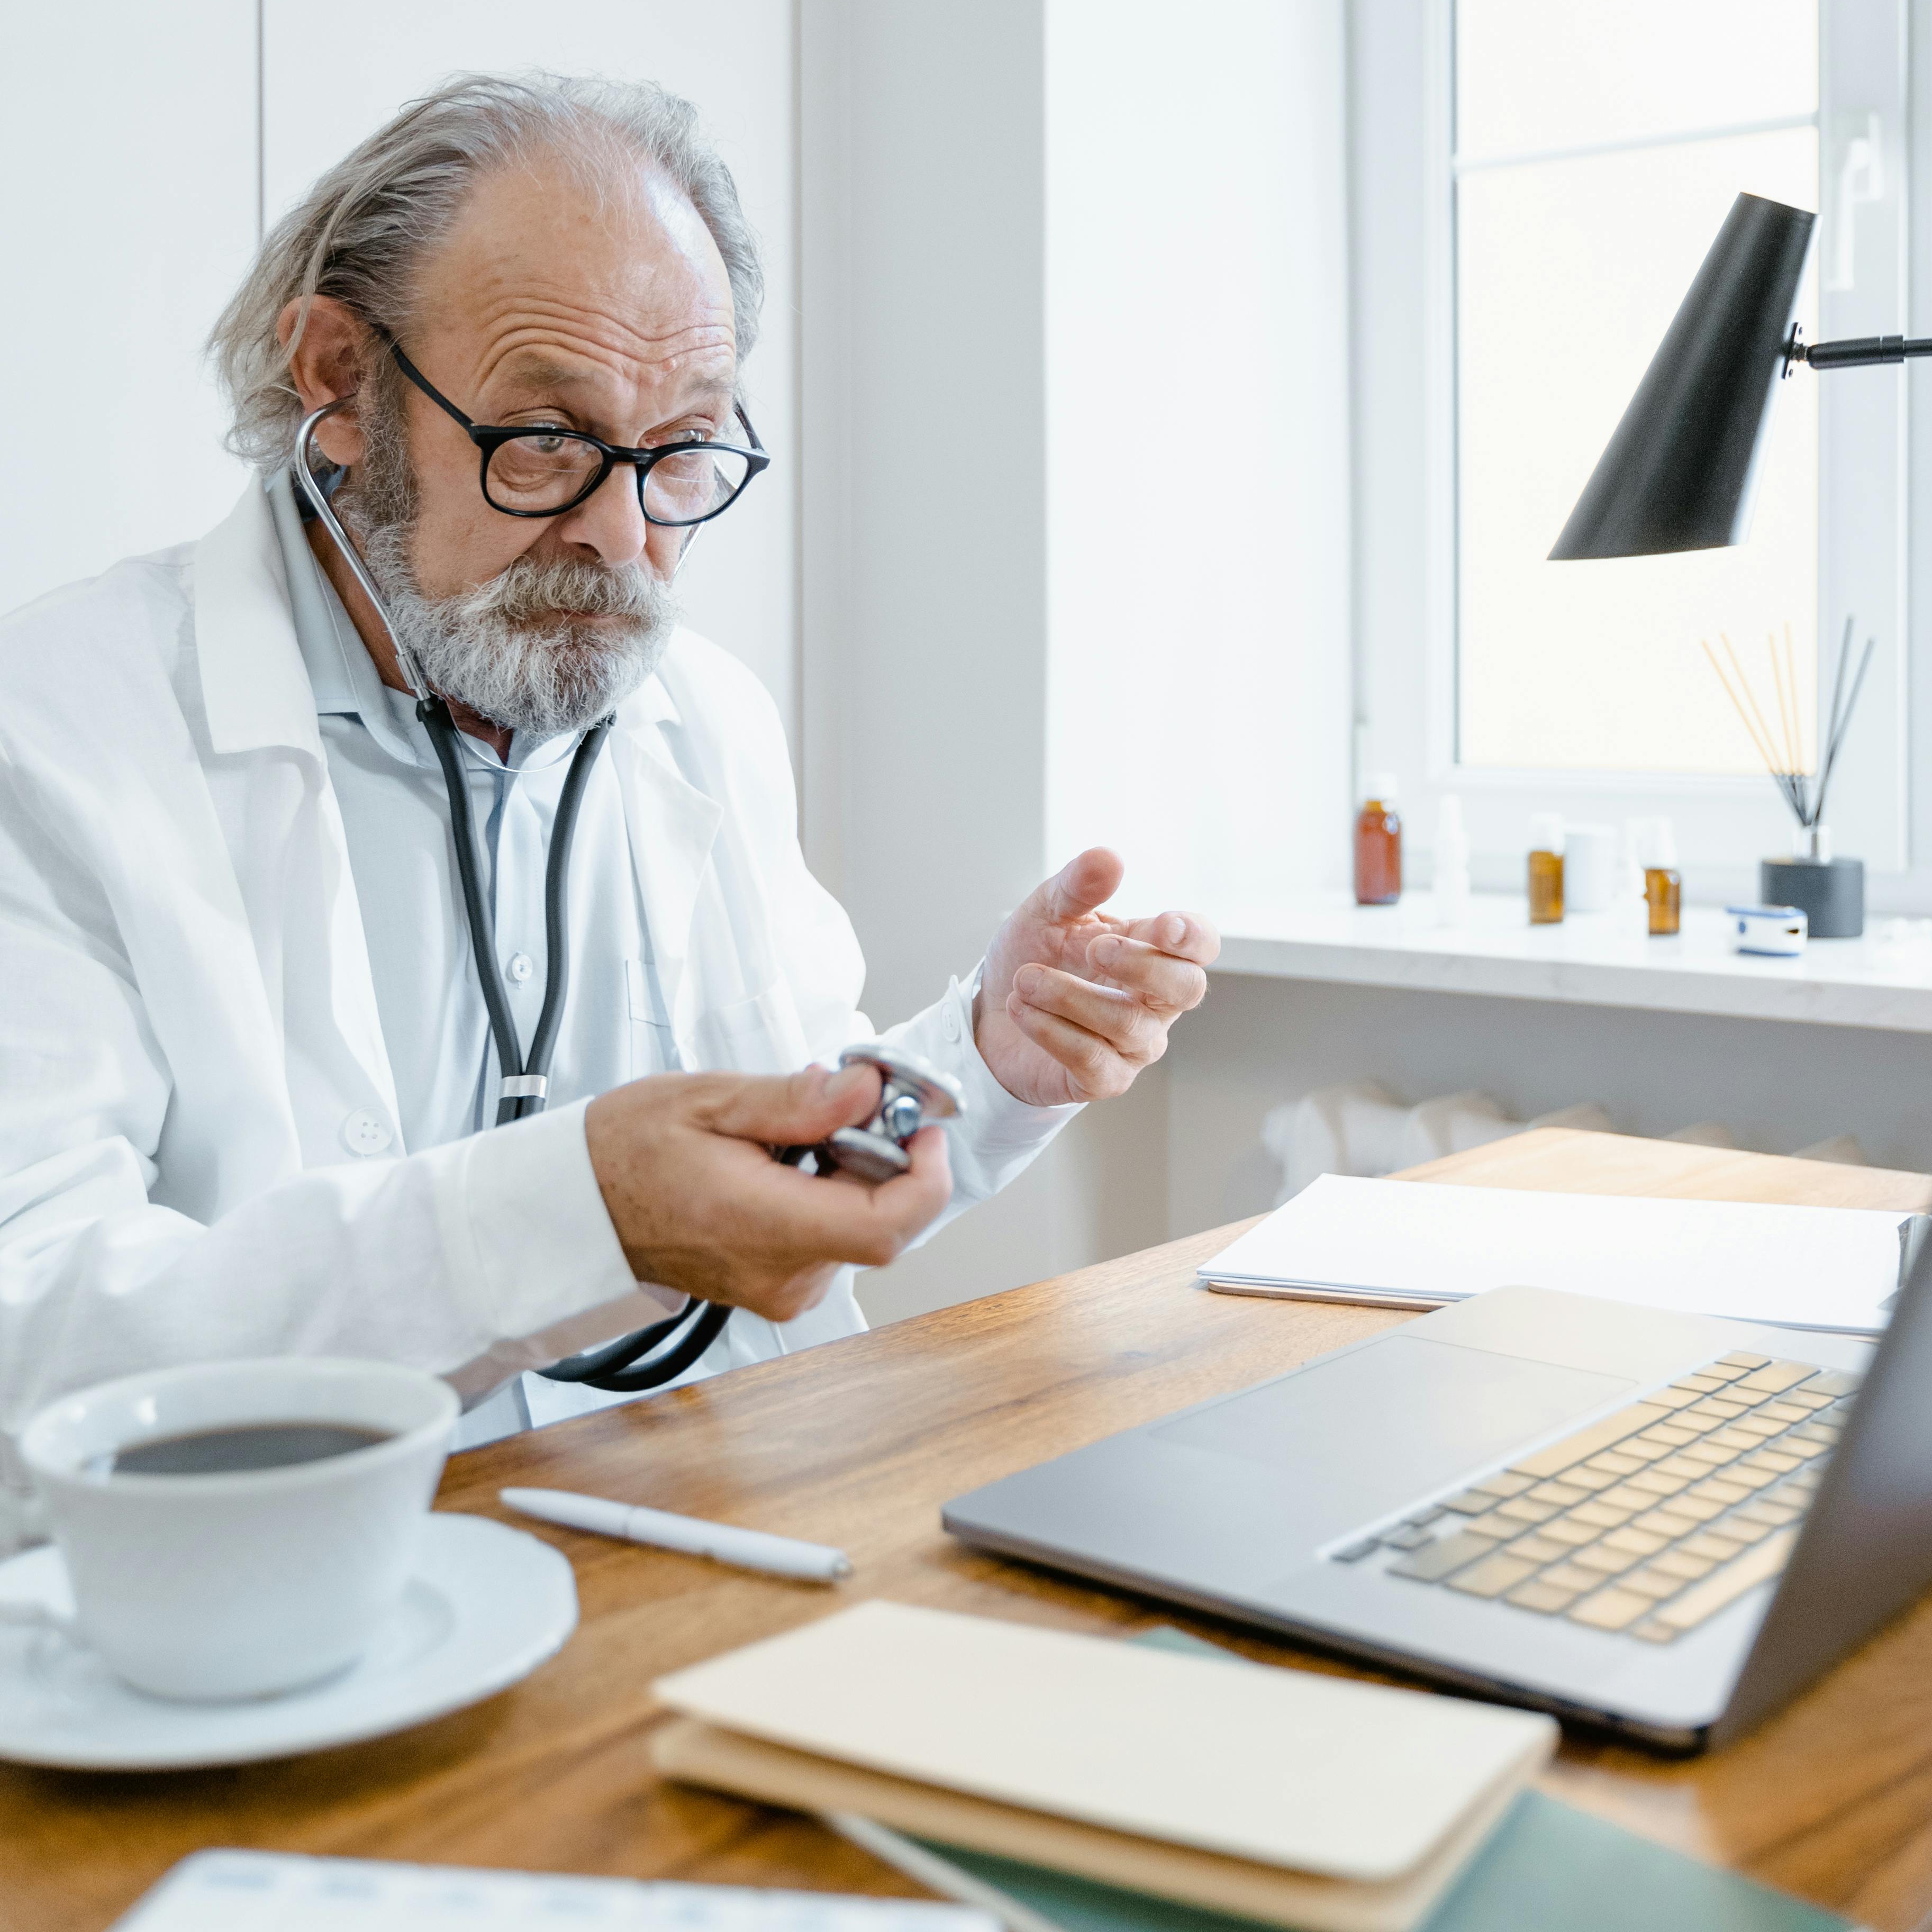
1452 863
1631 889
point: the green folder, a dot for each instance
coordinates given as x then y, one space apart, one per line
1547 1866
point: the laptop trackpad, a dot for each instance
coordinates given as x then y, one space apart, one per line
1372 1428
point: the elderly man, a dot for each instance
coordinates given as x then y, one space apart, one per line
246 1049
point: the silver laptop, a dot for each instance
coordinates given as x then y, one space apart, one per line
1659 1525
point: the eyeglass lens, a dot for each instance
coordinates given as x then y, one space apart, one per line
546 472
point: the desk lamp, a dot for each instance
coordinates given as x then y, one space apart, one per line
1680 471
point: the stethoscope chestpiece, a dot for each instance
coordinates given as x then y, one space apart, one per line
915 1094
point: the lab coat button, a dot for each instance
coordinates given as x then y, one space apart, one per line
366 1133
521 967
948 1021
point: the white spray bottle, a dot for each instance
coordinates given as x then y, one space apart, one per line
1452 863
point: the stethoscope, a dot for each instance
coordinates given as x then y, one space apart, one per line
912 1092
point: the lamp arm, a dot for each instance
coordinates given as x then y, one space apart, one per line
1856 352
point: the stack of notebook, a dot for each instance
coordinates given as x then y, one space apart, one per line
1076 1784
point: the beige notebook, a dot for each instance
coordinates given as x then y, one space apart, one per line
1308 1800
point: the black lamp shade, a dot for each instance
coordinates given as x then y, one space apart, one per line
1681 471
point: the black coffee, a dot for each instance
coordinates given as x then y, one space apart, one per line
255 1445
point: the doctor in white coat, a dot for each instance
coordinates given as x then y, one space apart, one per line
245 1066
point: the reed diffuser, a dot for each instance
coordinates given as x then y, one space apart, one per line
1830 892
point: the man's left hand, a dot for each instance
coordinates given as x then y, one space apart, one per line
1073 1003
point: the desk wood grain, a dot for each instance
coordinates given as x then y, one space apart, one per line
859 1444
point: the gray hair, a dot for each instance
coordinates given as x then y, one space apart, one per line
361 231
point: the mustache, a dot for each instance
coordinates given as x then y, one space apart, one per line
529 591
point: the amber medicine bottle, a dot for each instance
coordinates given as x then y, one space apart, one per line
1378 845
1546 870
1663 883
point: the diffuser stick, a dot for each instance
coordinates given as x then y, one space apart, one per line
1795 757
1837 690
1764 728
1758 742
1844 726
1759 737
1790 764
1799 762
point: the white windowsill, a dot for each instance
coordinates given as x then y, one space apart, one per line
1605 959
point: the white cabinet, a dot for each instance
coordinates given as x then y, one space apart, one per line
128 148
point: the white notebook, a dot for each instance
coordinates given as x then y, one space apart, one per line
1422 1243
270 1891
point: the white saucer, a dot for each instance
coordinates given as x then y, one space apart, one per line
486 1606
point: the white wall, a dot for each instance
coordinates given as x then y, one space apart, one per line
925 610
1198 437
1055 252
922 133
1036 236
128 149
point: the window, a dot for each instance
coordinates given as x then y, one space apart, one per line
1533 188
1597 150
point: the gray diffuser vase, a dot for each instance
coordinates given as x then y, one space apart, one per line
1830 892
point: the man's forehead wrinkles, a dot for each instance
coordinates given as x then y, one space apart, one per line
527 365
537 350
640 332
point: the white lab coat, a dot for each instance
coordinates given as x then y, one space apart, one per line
191 1057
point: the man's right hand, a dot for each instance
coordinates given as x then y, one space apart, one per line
685 1163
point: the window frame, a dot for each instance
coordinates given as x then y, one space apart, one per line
1403 195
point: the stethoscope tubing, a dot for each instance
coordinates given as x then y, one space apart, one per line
518 1071
442 729
619 1367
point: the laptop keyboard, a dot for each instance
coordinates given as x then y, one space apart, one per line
1647 1522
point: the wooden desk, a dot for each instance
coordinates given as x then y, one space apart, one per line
859 1444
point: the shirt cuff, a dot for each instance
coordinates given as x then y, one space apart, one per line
524 1223
1001 1123
997 1135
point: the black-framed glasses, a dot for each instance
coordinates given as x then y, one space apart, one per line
544 471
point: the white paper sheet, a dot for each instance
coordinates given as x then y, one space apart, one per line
252 1892
1423 1244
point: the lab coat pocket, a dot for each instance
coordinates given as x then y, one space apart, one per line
759 1035
653 1049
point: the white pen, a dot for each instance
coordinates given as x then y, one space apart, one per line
691 1535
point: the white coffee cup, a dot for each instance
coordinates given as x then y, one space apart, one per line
244 1582
1589 868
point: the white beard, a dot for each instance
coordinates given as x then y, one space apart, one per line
512 649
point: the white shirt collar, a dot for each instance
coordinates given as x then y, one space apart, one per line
343 674
323 631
